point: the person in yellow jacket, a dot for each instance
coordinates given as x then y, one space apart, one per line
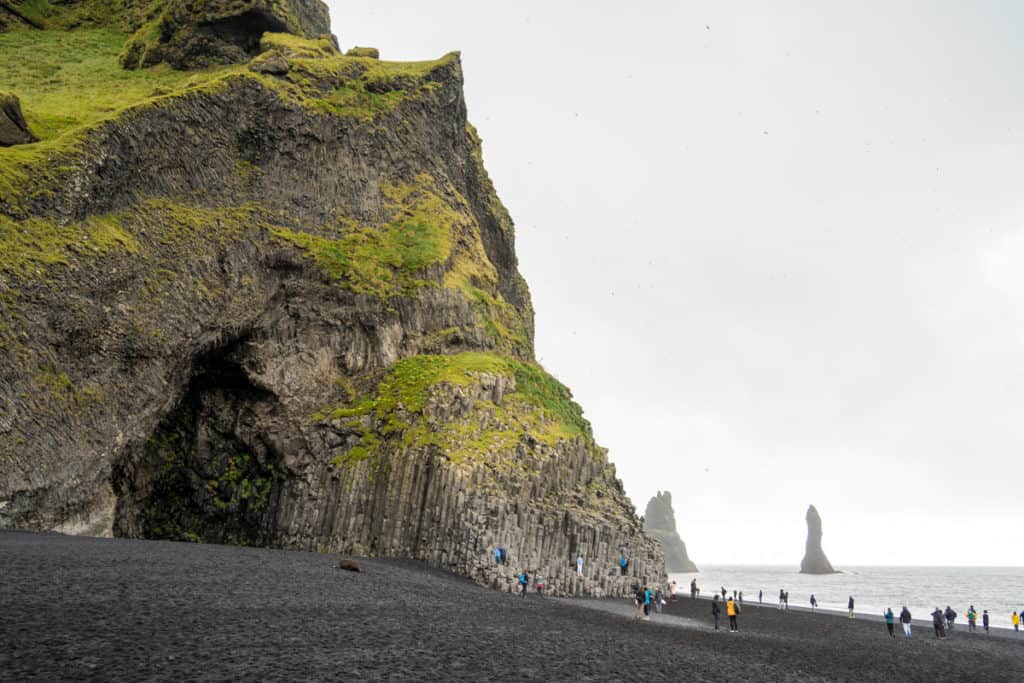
732 611
1016 621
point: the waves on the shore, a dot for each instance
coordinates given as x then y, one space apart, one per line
1000 590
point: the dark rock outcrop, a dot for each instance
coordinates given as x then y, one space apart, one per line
814 561
190 35
13 128
660 522
287 311
349 565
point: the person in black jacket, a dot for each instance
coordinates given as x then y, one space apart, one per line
715 610
905 620
938 619
950 618
850 606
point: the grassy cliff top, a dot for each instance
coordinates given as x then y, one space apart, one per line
71 81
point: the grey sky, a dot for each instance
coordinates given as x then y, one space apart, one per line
775 250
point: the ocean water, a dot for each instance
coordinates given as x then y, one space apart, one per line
1000 590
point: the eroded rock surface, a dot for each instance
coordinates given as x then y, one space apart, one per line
660 522
286 311
814 561
13 128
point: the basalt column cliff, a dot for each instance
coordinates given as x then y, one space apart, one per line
274 301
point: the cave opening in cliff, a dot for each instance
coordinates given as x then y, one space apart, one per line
245 30
207 473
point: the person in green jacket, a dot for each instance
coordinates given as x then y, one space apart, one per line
890 621
972 619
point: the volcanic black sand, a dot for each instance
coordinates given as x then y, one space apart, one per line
74 608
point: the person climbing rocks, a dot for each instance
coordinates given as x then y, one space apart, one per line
950 618
524 581
905 621
890 620
938 622
579 565
972 619
538 581
814 602
984 620
715 610
504 554
732 611
849 606
623 564
497 555
1015 620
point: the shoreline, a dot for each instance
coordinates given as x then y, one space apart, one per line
90 608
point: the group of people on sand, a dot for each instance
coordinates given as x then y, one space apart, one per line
943 621
648 601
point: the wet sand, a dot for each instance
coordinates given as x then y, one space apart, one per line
77 608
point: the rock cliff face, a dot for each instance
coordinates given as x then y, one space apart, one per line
814 561
660 522
278 303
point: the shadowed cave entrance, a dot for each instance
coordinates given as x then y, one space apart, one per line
207 473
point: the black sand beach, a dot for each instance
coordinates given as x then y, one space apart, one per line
78 608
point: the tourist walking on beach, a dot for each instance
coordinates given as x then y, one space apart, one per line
693 589
724 594
638 600
938 619
524 581
785 599
730 609
538 581
648 599
972 619
1015 620
741 599
814 602
672 591
657 600
760 595
950 618
715 610
890 620
984 619
905 620
782 597
579 565
849 606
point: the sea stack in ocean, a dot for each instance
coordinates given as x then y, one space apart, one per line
814 561
660 522
270 297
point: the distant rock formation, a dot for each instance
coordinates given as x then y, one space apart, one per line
660 522
814 561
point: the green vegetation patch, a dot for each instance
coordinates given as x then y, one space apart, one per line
541 407
389 260
31 246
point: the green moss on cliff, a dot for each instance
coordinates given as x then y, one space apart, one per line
390 260
31 246
539 409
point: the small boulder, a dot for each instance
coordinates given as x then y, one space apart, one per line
371 52
349 565
273 64
13 128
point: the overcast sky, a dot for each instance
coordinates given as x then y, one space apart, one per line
775 250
